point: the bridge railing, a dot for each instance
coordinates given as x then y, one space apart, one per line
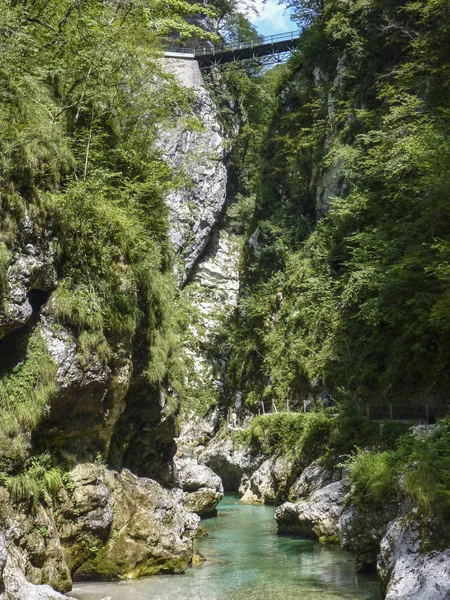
234 46
254 43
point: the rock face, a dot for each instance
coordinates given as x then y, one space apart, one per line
321 495
93 396
269 484
199 155
203 489
229 461
148 531
212 295
406 572
360 532
102 525
112 523
197 431
31 275
316 516
320 507
16 585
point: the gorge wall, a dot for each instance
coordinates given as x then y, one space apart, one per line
85 426
348 231
144 262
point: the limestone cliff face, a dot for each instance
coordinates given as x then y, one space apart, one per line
199 157
212 293
30 278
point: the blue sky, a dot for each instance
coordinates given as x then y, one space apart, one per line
272 18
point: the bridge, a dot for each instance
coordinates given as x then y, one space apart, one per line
264 50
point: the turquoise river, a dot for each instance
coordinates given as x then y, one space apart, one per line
246 560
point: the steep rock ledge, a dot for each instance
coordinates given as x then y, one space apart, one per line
198 156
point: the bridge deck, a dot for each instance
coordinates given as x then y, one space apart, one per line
208 56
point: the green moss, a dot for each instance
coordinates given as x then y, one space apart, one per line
24 393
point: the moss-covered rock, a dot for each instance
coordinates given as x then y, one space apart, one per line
123 526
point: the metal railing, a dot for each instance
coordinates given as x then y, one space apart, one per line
211 50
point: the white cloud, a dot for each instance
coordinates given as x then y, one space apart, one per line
272 15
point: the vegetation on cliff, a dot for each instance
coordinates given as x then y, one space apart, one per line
345 277
347 288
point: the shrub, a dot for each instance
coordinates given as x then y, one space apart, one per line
372 476
31 485
302 437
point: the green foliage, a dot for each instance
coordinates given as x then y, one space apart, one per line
303 437
4 258
348 285
373 476
82 98
31 485
331 437
418 468
24 394
43 531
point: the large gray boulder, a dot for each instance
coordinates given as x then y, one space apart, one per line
196 430
317 501
406 572
316 516
119 526
312 479
269 483
202 488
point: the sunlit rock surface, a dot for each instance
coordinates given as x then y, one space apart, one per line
202 488
407 572
198 155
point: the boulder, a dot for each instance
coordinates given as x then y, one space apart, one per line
269 483
312 479
406 572
316 516
202 488
30 548
16 586
149 532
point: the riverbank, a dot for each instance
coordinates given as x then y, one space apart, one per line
245 559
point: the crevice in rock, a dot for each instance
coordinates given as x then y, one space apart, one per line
13 347
37 300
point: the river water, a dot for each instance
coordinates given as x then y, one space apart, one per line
246 560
